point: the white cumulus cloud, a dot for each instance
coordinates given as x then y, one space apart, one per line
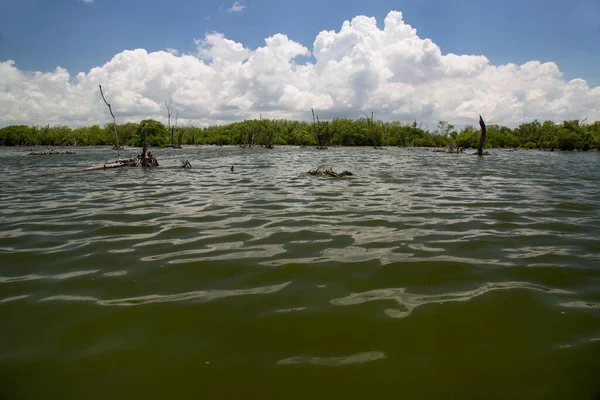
236 7
358 69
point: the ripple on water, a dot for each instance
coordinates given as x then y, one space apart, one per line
359 358
198 296
412 228
410 301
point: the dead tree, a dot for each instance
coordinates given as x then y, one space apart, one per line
260 136
465 143
322 137
269 139
44 141
480 151
114 123
168 106
371 125
179 137
383 134
250 138
370 128
173 129
145 147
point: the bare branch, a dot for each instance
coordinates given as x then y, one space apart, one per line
114 123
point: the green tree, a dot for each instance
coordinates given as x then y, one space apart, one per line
155 131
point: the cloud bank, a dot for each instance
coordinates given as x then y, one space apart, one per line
356 70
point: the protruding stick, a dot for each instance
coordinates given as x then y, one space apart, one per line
114 122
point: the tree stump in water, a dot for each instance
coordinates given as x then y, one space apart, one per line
139 161
330 172
480 151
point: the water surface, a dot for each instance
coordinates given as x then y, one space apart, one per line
425 275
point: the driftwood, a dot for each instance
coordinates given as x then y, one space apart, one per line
450 150
51 152
143 160
185 164
329 172
139 161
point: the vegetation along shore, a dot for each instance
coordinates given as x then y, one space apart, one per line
569 135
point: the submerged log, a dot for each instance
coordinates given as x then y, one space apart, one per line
140 161
330 172
51 152
450 150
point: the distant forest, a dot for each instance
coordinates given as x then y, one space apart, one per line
570 135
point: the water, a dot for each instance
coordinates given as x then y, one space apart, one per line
423 276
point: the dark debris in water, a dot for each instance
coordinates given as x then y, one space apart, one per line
50 152
330 172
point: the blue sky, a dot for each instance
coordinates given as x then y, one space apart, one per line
516 60
43 34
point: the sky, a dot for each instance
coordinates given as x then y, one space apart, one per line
217 62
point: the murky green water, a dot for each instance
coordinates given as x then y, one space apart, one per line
424 276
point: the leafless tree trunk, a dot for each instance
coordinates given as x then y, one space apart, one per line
482 138
259 137
269 142
322 138
173 129
114 123
145 148
168 106
315 126
180 137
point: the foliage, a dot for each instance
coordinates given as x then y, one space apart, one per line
155 133
366 131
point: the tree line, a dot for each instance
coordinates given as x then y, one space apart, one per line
568 135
